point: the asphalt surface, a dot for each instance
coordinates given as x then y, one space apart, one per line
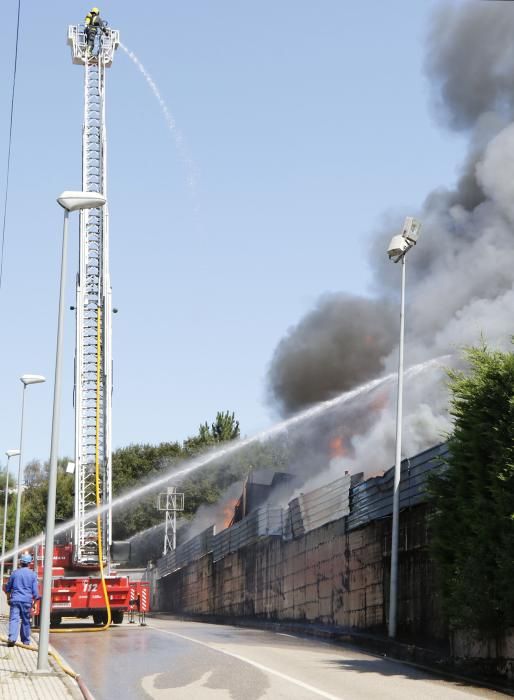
196 661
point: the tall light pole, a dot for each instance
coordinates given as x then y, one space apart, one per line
26 379
9 453
69 201
397 250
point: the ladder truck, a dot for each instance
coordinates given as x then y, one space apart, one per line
83 582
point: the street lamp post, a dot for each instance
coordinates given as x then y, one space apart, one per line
9 453
26 379
69 201
397 250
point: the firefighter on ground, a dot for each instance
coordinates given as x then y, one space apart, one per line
22 593
93 23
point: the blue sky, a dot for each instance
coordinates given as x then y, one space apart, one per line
305 123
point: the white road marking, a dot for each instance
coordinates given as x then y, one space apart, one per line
266 669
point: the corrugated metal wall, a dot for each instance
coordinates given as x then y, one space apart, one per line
373 499
193 549
358 505
310 510
263 522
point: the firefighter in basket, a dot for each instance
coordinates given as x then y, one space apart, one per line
93 23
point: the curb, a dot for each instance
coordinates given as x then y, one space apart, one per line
74 684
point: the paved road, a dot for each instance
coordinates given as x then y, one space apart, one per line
195 661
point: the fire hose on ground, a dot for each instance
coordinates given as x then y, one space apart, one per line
85 692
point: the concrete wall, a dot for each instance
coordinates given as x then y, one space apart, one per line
489 656
328 576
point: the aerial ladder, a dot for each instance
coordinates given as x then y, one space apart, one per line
83 581
93 356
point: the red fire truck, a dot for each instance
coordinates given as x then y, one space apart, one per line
76 594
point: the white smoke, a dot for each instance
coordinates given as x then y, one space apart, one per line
459 276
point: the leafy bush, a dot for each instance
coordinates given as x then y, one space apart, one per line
473 523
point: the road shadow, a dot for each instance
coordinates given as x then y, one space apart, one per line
391 668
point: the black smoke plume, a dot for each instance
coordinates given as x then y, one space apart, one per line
337 346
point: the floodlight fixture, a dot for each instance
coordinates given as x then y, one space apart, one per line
411 229
403 242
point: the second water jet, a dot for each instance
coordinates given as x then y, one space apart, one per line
179 472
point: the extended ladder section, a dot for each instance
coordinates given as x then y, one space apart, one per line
93 359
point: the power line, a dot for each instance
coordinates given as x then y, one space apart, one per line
10 142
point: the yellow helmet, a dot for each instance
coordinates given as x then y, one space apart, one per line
95 11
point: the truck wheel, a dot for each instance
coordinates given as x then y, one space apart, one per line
98 618
55 620
117 616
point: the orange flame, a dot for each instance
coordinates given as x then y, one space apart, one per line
227 514
337 447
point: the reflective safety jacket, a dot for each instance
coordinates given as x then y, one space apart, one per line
93 21
22 586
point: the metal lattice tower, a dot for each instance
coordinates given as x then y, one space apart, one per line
93 358
171 502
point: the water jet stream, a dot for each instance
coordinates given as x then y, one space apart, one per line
170 121
206 458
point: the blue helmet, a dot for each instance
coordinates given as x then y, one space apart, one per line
26 558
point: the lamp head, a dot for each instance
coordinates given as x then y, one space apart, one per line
72 201
12 453
32 379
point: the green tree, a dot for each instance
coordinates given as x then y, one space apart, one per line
473 523
35 498
224 428
136 465
209 483
35 473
